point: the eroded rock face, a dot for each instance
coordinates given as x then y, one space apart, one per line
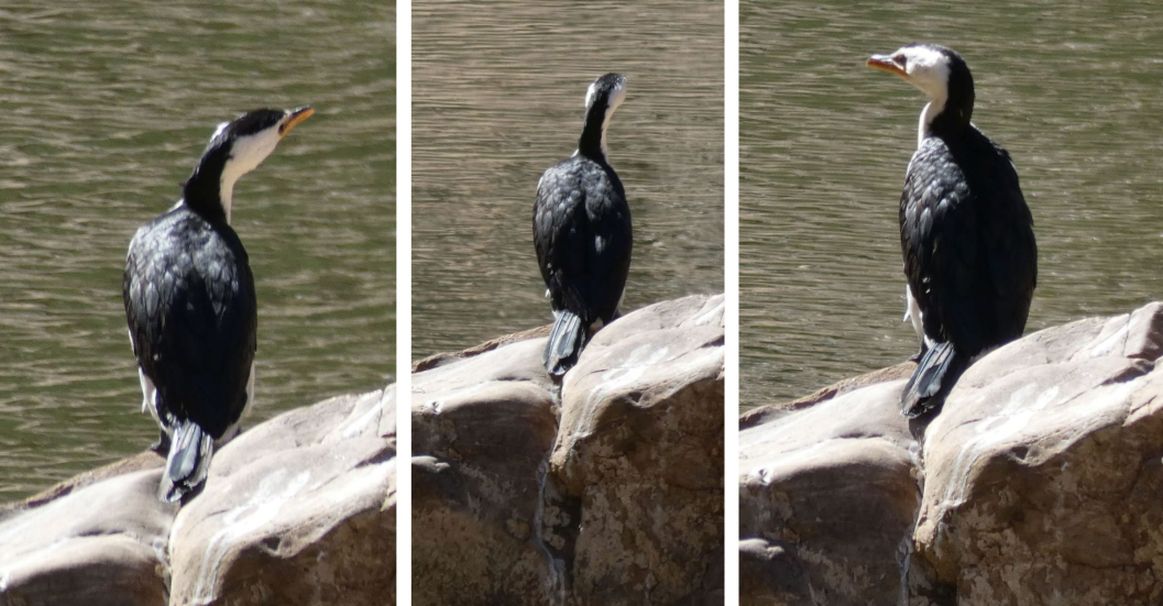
387 433
1040 482
481 428
298 510
827 499
633 486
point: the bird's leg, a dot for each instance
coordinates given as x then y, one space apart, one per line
162 445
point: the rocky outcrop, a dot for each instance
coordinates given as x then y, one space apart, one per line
827 496
607 493
1038 483
298 510
103 543
481 428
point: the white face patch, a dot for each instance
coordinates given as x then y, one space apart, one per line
927 69
616 99
249 151
245 155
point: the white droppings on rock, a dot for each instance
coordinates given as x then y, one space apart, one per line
630 371
1112 344
712 313
263 505
360 423
1022 406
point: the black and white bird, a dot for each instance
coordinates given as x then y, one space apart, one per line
582 233
967 236
190 303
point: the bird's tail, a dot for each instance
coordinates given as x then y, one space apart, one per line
188 461
933 379
566 340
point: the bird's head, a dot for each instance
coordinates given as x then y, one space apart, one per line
605 95
602 99
939 72
929 67
248 139
236 148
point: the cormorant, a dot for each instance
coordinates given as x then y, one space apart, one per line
190 304
581 229
966 233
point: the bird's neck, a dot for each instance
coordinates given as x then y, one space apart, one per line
944 116
226 194
209 192
924 128
592 142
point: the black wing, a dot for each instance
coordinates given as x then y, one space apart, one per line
967 249
190 304
1012 253
583 236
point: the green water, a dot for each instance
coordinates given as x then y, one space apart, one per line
1073 91
498 94
107 109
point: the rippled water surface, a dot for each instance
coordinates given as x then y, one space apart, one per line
498 89
1072 90
106 112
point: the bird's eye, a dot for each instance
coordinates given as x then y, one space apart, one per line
900 59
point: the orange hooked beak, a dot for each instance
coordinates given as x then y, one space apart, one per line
885 63
298 116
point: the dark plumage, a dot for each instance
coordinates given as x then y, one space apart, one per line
582 233
967 237
190 304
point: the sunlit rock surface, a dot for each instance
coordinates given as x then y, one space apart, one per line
1038 483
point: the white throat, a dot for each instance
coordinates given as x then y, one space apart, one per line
932 109
248 152
602 142
226 193
605 125
619 95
